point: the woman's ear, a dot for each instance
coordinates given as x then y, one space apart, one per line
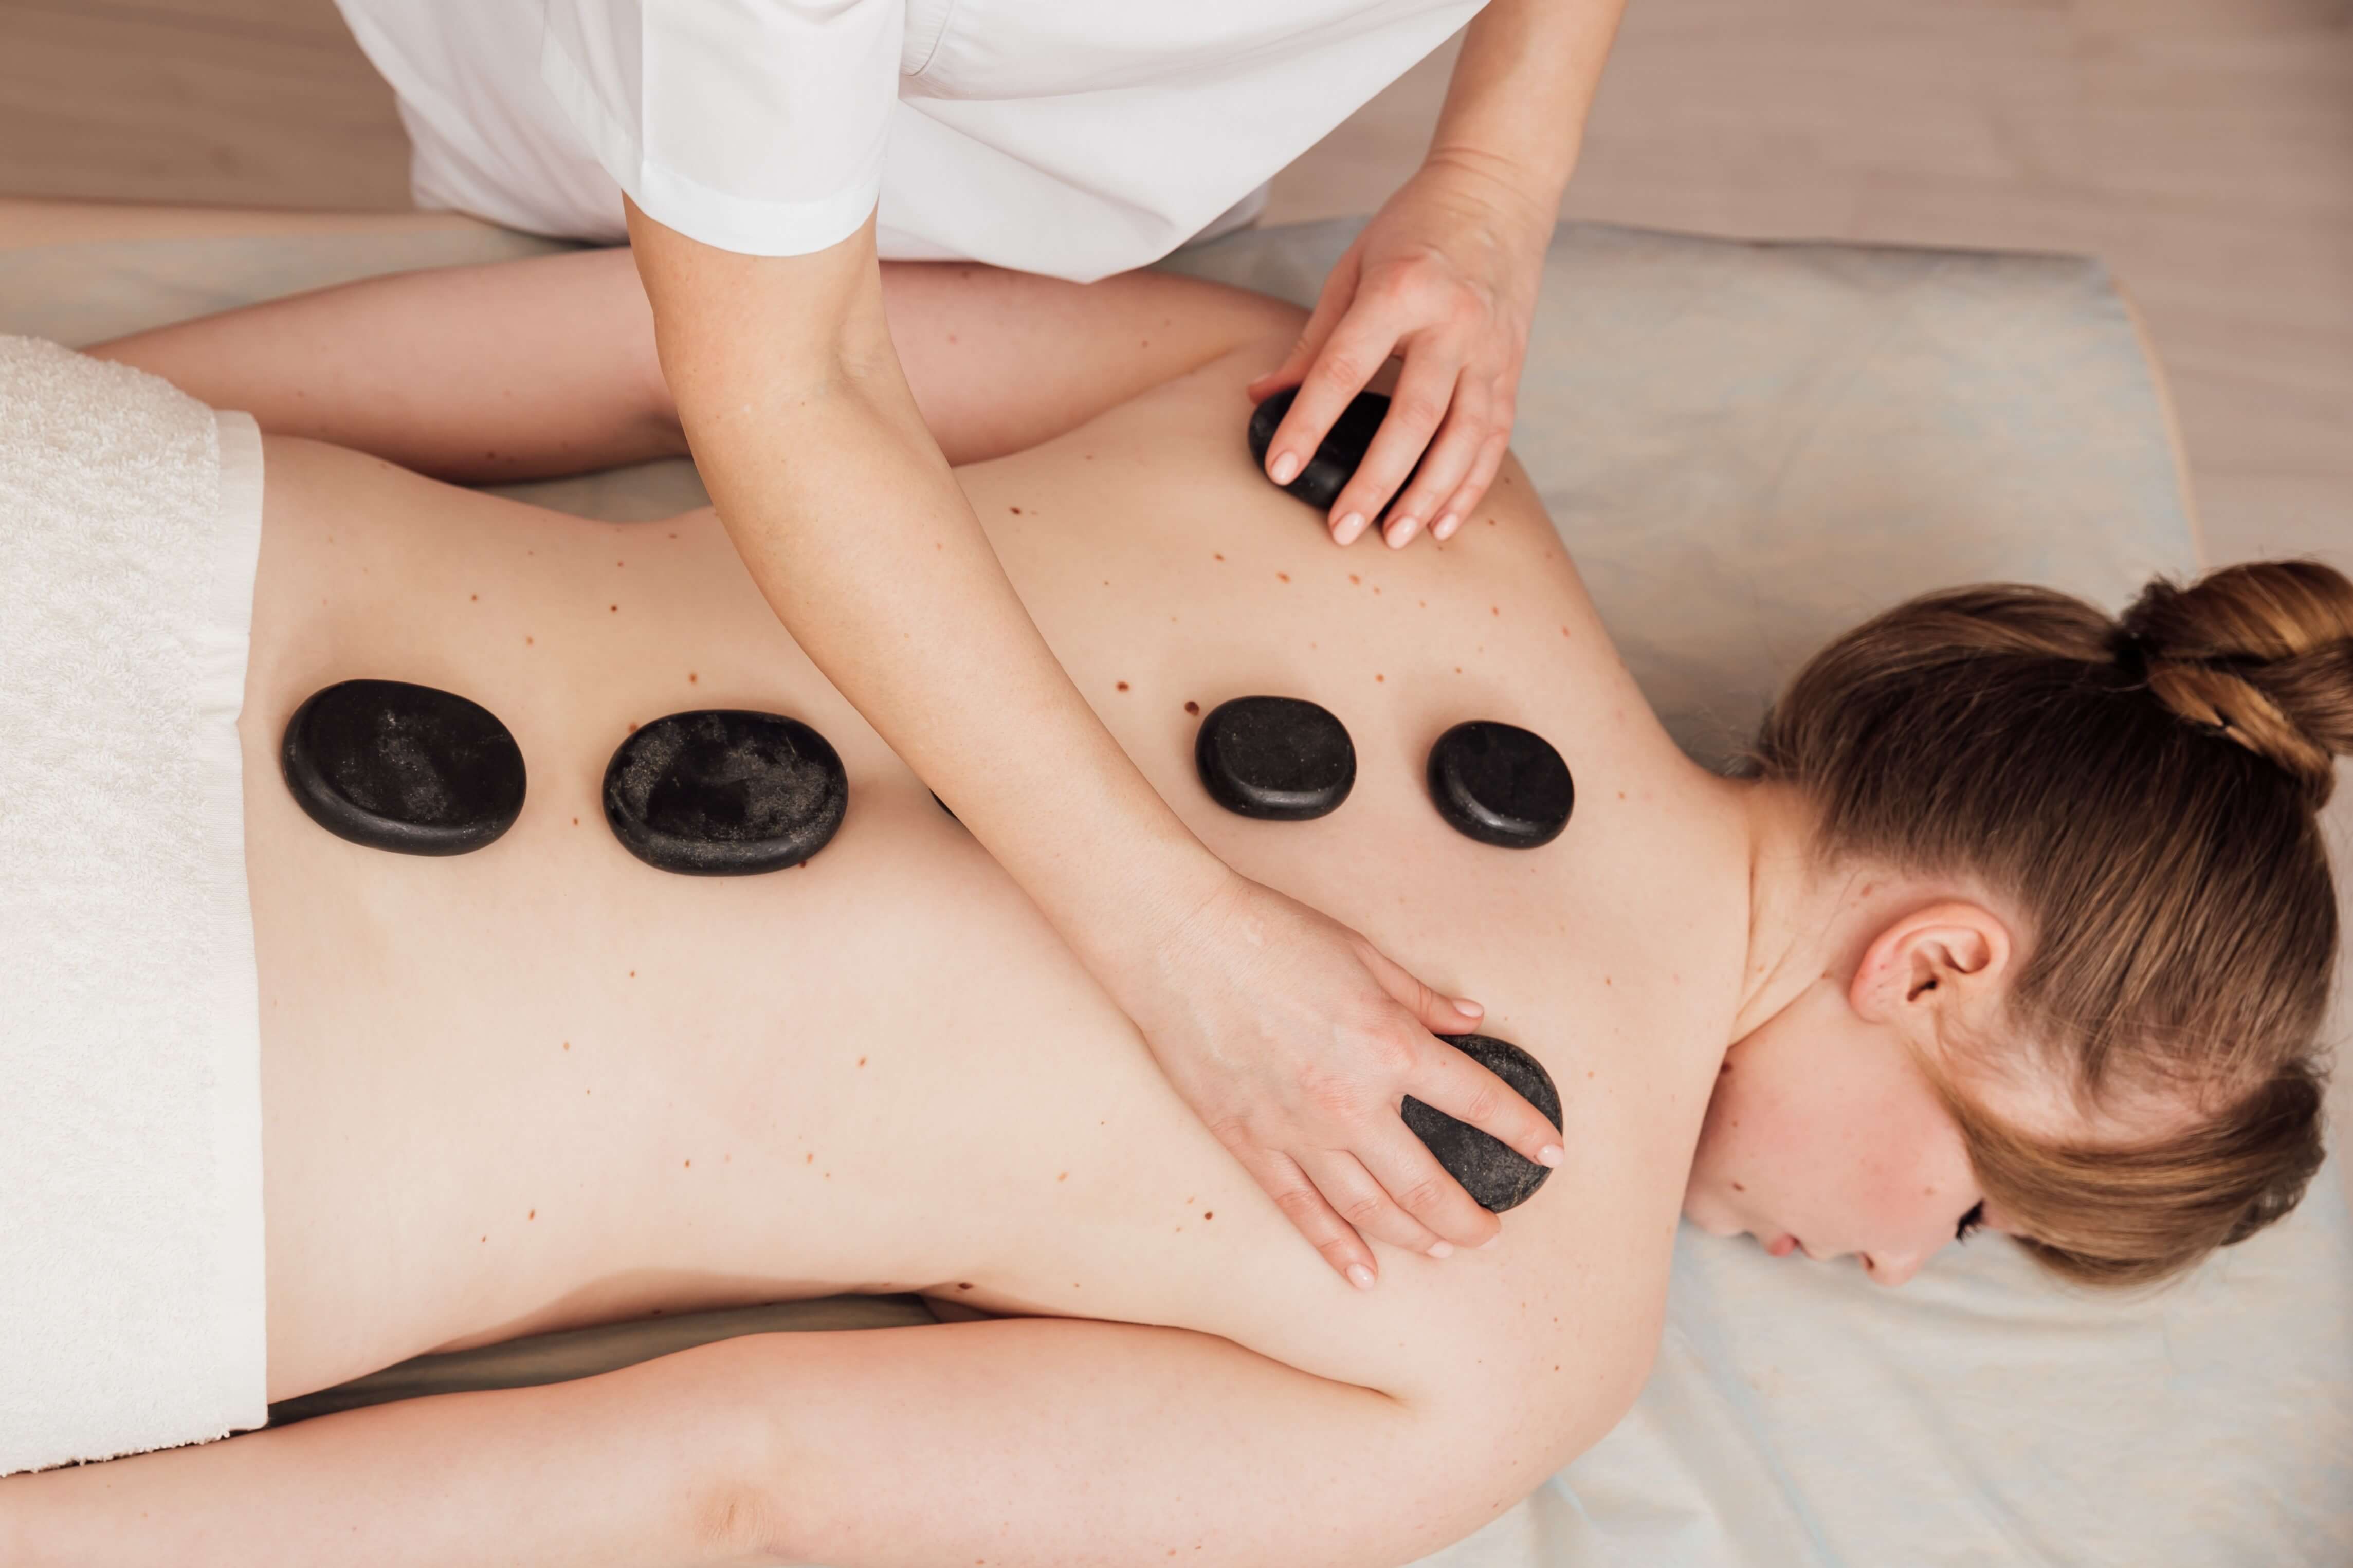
1937 958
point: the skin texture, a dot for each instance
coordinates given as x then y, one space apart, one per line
606 1091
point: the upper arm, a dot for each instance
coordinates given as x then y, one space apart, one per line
995 361
1072 1441
1002 361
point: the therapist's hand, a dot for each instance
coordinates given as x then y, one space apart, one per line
1294 1039
1444 278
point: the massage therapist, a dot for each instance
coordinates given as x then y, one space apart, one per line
760 155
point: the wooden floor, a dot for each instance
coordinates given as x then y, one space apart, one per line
2204 148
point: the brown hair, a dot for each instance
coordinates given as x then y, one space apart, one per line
2147 791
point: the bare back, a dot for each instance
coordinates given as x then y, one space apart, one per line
544 1084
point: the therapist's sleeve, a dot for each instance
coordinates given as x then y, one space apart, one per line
756 126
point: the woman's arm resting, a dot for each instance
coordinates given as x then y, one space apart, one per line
652 1464
545 366
1021 1441
516 369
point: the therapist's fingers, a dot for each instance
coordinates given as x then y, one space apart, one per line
1425 1192
1425 390
1484 469
1481 420
1446 1079
1431 1008
1331 307
1445 467
1375 1209
1359 346
1302 1204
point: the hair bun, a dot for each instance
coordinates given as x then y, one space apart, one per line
2260 653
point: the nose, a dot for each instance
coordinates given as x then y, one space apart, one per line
1892 1268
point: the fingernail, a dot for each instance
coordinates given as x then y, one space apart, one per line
1491 1241
1550 1155
1468 1008
1400 532
1350 526
1446 526
1442 1250
1286 468
1360 1277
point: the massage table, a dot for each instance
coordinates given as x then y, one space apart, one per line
1748 448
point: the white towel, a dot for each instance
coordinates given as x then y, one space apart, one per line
130 1235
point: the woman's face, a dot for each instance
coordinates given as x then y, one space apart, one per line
1825 1137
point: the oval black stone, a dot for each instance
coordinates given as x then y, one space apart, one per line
1501 784
724 793
1280 758
1498 1175
1343 446
406 768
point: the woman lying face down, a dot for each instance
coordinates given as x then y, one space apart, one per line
2020 920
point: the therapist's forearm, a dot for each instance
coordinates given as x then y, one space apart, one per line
863 542
1522 88
853 526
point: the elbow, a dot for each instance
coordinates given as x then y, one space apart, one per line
732 1512
735 1525
1515 1435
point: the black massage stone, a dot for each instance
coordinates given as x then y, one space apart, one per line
1343 446
1499 1176
724 793
401 767
1501 784
1275 757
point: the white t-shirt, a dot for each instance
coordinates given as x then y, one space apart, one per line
1075 137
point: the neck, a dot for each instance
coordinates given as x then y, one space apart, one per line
1801 914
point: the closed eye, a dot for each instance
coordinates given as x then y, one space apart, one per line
1973 1220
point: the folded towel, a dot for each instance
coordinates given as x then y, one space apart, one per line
131 1291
